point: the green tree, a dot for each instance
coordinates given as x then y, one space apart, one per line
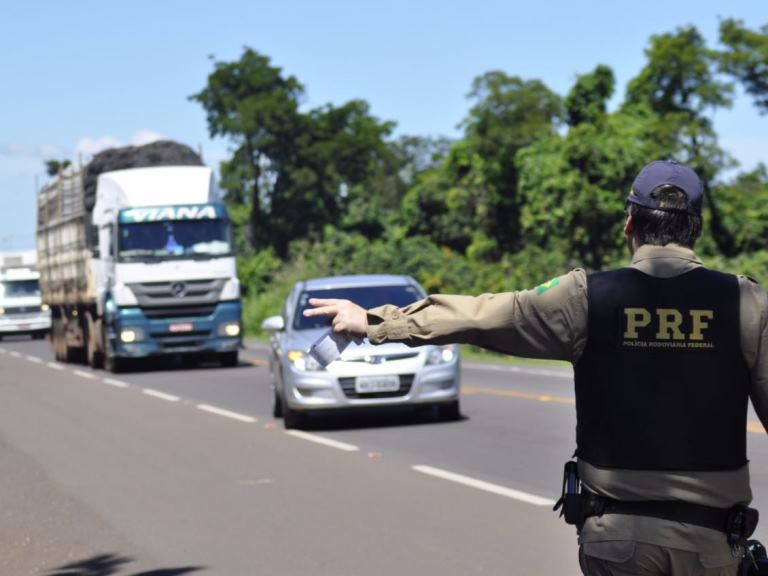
681 88
255 106
588 99
293 172
746 58
53 167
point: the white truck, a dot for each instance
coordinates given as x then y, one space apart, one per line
138 261
21 308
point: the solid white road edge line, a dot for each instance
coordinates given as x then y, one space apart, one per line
116 383
161 395
83 374
35 359
54 365
486 486
226 413
321 440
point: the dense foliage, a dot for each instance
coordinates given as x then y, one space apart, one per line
536 185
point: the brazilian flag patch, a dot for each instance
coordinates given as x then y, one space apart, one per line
541 288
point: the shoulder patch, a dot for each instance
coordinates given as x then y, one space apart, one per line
541 288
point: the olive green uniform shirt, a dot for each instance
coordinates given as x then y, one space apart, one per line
550 321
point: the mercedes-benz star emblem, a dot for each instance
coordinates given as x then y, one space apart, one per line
178 289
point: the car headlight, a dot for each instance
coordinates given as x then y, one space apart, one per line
130 335
441 355
302 361
230 329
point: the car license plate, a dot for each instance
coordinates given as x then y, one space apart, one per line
181 327
372 384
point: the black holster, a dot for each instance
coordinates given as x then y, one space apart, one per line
571 502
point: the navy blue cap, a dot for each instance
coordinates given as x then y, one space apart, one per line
662 172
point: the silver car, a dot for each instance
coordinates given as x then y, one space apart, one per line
365 375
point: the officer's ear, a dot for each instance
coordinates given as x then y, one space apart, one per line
628 229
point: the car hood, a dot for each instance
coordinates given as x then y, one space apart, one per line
303 340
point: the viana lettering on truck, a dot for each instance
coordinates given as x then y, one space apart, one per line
156 213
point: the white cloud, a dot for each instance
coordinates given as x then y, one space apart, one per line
145 137
90 146
44 151
87 147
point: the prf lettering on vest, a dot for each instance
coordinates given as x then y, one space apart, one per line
667 328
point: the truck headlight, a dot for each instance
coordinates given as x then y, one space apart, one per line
130 335
231 329
45 307
302 361
441 354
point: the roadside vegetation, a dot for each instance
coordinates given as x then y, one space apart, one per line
534 187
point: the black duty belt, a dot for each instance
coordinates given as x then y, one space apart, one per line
677 511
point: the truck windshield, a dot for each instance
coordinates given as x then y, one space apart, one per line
173 239
19 288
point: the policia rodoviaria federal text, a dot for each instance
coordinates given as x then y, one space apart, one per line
666 355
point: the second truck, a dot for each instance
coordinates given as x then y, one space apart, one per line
136 259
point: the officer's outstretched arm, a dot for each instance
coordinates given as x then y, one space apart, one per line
345 316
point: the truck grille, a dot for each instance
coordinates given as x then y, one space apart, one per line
181 292
170 341
164 312
17 310
348 387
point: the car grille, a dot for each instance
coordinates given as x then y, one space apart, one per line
348 387
382 358
160 312
15 310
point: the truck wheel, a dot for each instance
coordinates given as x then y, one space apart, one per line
228 359
94 356
114 365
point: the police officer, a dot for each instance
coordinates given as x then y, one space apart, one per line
666 354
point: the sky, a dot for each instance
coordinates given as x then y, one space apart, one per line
81 76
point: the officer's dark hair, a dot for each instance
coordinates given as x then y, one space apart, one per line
671 224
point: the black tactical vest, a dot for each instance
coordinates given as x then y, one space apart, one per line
662 383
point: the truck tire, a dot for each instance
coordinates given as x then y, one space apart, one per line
94 356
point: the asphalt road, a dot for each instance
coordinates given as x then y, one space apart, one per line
173 469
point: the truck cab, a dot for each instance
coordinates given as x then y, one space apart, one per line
22 311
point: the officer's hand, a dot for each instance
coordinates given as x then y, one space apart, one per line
345 316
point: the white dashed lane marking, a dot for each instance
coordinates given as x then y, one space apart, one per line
84 374
226 413
161 395
485 486
35 359
15 354
322 440
115 383
54 365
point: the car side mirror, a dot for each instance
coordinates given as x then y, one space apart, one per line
273 324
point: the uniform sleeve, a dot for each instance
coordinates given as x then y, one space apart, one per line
549 321
754 342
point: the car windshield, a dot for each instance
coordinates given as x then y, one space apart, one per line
173 239
365 296
19 288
